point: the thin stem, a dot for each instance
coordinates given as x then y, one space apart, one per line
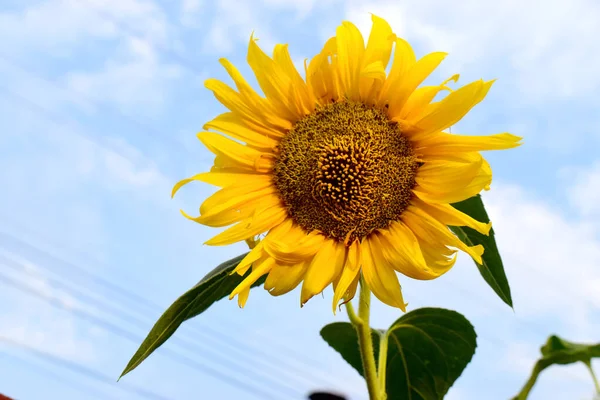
588 364
381 367
365 341
352 314
530 382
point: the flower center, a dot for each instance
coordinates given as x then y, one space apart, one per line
345 170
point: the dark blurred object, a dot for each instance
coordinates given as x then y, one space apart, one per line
325 396
3 397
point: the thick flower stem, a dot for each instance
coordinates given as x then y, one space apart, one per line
365 340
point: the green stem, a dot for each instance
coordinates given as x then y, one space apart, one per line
365 340
588 364
381 367
530 382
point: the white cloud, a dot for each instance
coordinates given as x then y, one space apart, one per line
136 79
233 22
66 169
550 259
190 13
583 188
31 321
127 39
61 26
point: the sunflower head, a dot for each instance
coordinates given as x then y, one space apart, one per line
347 170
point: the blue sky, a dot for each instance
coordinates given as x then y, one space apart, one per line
100 101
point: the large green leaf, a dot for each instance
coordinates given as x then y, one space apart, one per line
217 284
343 338
561 352
492 269
427 351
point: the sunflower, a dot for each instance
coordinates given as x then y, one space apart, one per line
348 172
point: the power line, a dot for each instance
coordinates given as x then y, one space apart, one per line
71 383
133 319
124 333
79 368
148 305
489 338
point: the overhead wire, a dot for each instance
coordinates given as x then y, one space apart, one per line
259 391
193 345
488 337
79 369
285 357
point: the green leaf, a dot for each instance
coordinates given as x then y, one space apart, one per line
492 269
556 346
217 284
427 351
343 338
561 352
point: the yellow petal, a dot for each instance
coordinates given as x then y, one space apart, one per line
254 255
321 75
259 106
233 126
325 266
289 243
380 43
452 108
400 248
351 292
350 52
427 227
266 196
349 274
414 77
243 297
404 60
379 274
243 156
254 183
216 178
283 279
420 98
283 60
260 222
445 143
449 215
439 257
445 181
374 70
259 269
376 58
481 181
242 209
274 83
237 103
